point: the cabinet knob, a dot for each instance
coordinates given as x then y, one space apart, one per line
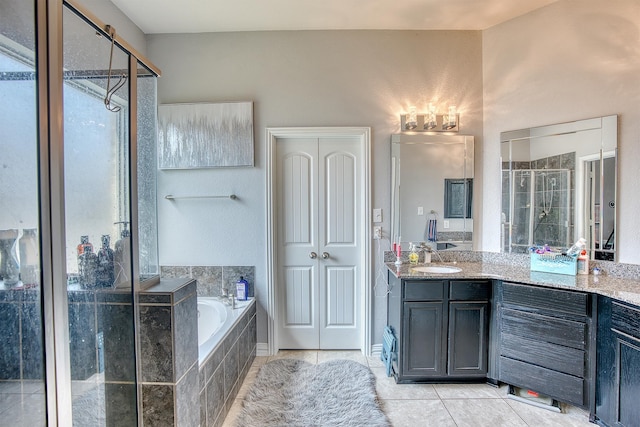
313 255
325 255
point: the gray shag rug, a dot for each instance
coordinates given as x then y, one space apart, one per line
290 392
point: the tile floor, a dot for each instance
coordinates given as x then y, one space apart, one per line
441 405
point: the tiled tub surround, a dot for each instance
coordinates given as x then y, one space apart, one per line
20 335
212 279
169 353
225 367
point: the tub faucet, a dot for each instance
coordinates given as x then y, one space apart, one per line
225 297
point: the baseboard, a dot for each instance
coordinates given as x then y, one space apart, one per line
376 349
262 349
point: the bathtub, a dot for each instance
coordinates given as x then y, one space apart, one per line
215 320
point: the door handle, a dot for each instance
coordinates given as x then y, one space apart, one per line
313 255
325 255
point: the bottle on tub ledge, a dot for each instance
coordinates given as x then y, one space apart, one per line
242 289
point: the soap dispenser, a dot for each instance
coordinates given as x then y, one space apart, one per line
413 255
242 289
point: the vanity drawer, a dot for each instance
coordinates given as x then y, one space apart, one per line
540 298
424 290
566 388
547 355
541 328
625 319
463 290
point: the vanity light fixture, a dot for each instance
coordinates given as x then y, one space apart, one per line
412 120
430 121
451 119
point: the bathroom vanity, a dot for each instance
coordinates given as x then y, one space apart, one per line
443 328
537 331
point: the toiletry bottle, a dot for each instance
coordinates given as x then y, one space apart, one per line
242 289
84 241
87 267
577 247
413 256
105 273
583 263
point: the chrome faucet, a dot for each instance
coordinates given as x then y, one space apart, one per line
228 298
428 251
438 254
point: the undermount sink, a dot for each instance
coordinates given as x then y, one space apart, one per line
437 269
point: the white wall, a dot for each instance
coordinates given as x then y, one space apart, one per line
574 59
301 78
108 13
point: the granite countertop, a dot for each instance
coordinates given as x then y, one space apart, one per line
627 290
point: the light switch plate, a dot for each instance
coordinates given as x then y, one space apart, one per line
377 215
420 210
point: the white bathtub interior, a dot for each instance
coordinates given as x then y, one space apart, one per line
215 320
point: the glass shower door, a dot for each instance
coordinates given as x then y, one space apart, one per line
97 181
22 390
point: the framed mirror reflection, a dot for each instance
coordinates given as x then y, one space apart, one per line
559 184
432 190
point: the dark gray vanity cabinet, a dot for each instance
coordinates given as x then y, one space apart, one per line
618 364
545 337
442 328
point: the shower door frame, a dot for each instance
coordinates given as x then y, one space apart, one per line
49 68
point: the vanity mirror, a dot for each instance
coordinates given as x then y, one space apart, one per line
432 182
559 184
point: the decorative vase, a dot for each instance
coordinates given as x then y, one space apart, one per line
9 258
30 257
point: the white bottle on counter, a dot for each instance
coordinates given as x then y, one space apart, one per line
583 263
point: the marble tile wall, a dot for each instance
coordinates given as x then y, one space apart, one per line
21 334
223 372
115 319
212 279
169 354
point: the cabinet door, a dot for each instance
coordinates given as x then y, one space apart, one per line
468 338
618 367
423 341
628 379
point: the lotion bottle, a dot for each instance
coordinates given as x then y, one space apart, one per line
583 263
242 289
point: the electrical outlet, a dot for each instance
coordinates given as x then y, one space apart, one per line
446 223
377 233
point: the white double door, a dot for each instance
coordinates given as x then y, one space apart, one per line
319 211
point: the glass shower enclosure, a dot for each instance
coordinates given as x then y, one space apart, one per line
78 234
539 207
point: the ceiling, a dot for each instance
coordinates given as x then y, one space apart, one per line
197 16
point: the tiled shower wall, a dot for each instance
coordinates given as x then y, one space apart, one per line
212 279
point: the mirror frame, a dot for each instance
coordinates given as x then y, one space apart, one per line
467 171
608 127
